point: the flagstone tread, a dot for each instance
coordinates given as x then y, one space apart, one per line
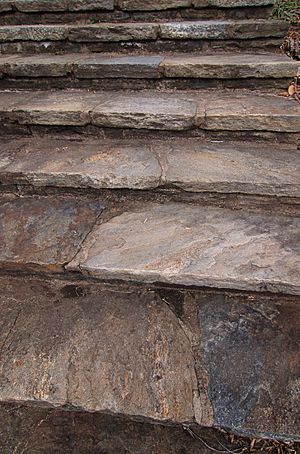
129 5
190 245
188 165
43 233
145 31
154 110
219 66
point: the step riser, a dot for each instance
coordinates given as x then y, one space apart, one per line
141 84
179 336
138 47
13 129
91 17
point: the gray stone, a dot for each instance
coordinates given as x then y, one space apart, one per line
252 112
34 6
90 163
218 29
96 350
229 66
89 5
5 5
149 110
43 232
231 3
114 32
193 245
135 67
154 5
33 33
39 65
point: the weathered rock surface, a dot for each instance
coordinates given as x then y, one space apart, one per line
149 109
43 232
75 359
186 164
193 245
228 360
217 66
29 6
145 31
156 5
231 3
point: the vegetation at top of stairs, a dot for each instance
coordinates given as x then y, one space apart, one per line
287 10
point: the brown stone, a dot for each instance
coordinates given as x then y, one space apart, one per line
192 245
39 232
114 32
33 33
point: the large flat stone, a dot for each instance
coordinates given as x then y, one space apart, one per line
39 65
185 164
35 6
192 245
183 356
86 164
217 29
37 233
114 32
156 5
252 112
95 349
33 33
230 66
149 110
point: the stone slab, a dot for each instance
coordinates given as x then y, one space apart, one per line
79 164
134 67
247 111
147 110
231 3
156 5
95 349
221 359
114 32
43 233
33 33
192 245
230 66
227 29
188 165
35 6
56 108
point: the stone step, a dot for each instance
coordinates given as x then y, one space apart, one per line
101 36
61 350
233 69
173 243
151 110
66 11
184 165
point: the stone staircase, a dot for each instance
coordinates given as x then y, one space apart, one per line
149 228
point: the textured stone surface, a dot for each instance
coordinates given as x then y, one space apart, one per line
29 6
217 66
95 349
231 3
43 232
136 67
150 110
145 5
113 32
186 164
228 360
215 29
91 163
33 33
193 245
251 112
227 66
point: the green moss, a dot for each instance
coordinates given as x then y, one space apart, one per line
287 10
